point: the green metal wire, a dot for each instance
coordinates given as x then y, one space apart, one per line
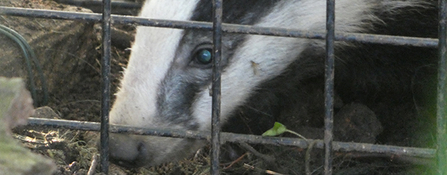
29 53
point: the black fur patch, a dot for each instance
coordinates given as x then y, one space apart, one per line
393 81
235 11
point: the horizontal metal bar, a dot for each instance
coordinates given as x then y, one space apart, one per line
64 124
228 28
231 137
51 14
127 5
336 145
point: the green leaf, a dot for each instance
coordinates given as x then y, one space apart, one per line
277 129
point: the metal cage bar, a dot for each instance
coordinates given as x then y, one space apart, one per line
105 84
329 86
229 28
215 118
232 137
441 112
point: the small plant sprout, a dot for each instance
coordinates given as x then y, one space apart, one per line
278 129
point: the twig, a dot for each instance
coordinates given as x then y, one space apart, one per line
261 170
93 165
267 158
235 161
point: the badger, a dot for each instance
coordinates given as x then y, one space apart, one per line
167 81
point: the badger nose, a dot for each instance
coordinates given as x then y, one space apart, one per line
127 151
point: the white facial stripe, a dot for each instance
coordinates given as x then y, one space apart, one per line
152 53
271 55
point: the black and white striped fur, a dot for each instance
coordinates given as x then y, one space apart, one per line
165 86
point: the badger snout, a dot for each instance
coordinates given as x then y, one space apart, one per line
126 151
133 151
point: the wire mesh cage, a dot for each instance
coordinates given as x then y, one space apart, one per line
216 137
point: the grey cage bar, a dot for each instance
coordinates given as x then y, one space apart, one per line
216 136
215 118
442 90
329 86
105 84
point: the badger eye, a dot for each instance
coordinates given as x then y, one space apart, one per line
203 56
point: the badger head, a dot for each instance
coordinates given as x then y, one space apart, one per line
167 81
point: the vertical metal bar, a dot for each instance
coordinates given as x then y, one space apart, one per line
215 127
329 86
105 85
442 90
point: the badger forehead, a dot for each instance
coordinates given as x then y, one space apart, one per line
155 71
